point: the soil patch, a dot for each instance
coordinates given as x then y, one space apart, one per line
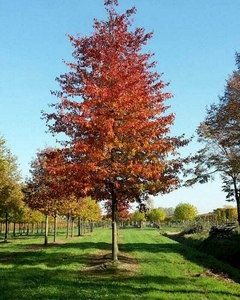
101 264
216 274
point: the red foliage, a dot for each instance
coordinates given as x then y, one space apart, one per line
43 190
113 114
123 208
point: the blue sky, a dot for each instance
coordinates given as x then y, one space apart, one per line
194 44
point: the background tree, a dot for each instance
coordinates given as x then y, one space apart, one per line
90 211
112 111
43 190
185 212
10 185
220 133
226 214
123 211
231 214
156 215
138 217
17 217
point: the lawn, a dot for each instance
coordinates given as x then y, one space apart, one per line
151 267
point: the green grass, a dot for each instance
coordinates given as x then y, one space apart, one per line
151 267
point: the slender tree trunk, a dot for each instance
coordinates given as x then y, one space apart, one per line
55 229
20 228
237 197
84 226
14 228
114 227
72 229
6 228
67 234
79 226
27 229
46 231
88 227
91 226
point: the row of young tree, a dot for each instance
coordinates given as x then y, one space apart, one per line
43 191
39 200
221 216
31 201
184 212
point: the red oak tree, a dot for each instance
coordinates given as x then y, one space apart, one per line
44 190
111 109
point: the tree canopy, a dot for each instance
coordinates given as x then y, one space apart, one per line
220 134
112 111
185 212
10 181
10 185
43 190
156 215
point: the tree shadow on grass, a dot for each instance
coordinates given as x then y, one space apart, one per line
58 254
39 284
33 273
67 253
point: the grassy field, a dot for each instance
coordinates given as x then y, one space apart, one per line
151 267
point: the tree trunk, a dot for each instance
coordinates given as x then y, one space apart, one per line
84 226
67 234
55 229
42 227
72 229
6 228
14 228
79 226
20 228
46 231
114 228
237 197
91 226
88 227
27 229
